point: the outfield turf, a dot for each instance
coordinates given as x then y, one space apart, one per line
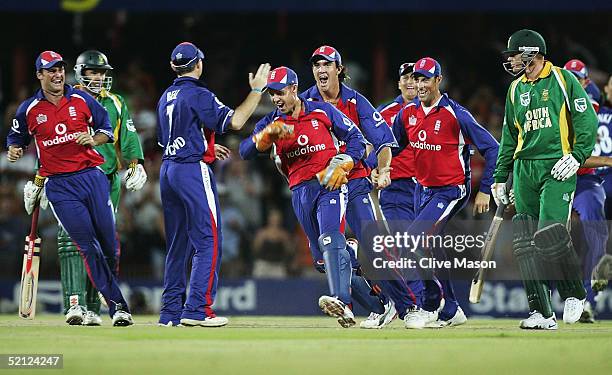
311 345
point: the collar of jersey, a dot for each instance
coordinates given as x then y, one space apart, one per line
543 74
180 80
442 102
346 93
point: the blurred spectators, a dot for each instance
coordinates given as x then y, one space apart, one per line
272 249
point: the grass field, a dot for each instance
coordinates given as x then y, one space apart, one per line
311 345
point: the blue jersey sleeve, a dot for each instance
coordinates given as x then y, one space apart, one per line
19 135
247 149
162 138
100 121
487 146
212 113
347 131
399 132
371 124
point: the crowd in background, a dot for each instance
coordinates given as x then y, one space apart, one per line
261 237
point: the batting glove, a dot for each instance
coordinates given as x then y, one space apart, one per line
136 177
565 168
276 130
500 196
336 173
33 192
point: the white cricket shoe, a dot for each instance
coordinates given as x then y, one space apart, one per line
414 318
92 319
335 308
458 319
217 321
429 316
572 310
537 321
75 315
122 319
378 321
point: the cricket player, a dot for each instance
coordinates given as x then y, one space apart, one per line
440 132
92 72
189 114
603 147
61 120
329 74
549 131
305 136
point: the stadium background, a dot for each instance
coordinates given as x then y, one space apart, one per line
374 38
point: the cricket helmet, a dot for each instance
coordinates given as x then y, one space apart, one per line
93 59
526 42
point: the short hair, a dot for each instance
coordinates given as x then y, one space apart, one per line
184 69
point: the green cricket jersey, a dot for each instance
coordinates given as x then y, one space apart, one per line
127 144
545 119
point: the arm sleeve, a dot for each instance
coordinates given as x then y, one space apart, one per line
485 143
128 137
247 148
347 131
584 118
399 132
19 135
371 124
100 121
509 141
214 115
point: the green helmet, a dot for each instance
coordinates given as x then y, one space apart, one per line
528 43
93 59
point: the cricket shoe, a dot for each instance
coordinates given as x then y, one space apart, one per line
588 314
209 321
414 318
429 316
458 319
92 319
537 321
335 308
75 315
122 318
169 324
572 310
378 321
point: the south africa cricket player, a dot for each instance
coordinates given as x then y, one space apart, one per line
549 131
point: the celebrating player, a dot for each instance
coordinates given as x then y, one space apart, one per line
549 131
59 118
329 74
304 136
81 300
440 131
189 114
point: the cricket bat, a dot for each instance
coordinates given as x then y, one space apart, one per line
487 254
29 271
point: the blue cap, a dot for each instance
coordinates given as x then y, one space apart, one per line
427 67
327 53
405 68
281 77
48 59
185 54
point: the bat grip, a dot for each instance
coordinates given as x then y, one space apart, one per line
35 215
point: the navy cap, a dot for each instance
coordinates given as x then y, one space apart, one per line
185 54
48 59
405 68
281 77
427 67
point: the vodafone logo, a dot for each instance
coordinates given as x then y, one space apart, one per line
60 137
422 135
422 145
304 148
302 140
60 129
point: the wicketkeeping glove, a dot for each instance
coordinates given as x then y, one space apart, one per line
276 130
136 177
33 191
336 173
565 168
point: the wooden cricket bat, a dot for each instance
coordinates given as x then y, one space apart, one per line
29 271
487 254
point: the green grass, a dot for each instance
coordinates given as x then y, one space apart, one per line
306 345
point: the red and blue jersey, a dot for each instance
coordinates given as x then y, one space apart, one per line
316 135
402 164
603 146
189 115
361 112
595 96
441 141
54 129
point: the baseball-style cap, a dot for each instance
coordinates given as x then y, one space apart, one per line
577 67
427 67
185 54
405 68
281 77
326 53
48 59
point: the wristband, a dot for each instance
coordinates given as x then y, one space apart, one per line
257 90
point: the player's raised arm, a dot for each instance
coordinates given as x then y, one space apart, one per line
257 82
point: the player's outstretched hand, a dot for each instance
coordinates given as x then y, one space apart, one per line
481 203
222 152
565 168
336 173
136 177
259 80
14 153
84 139
274 131
500 195
383 178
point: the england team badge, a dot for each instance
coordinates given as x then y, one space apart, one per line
525 99
412 120
41 118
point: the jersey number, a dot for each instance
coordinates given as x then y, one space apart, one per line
604 142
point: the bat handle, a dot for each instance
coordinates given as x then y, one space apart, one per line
34 226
